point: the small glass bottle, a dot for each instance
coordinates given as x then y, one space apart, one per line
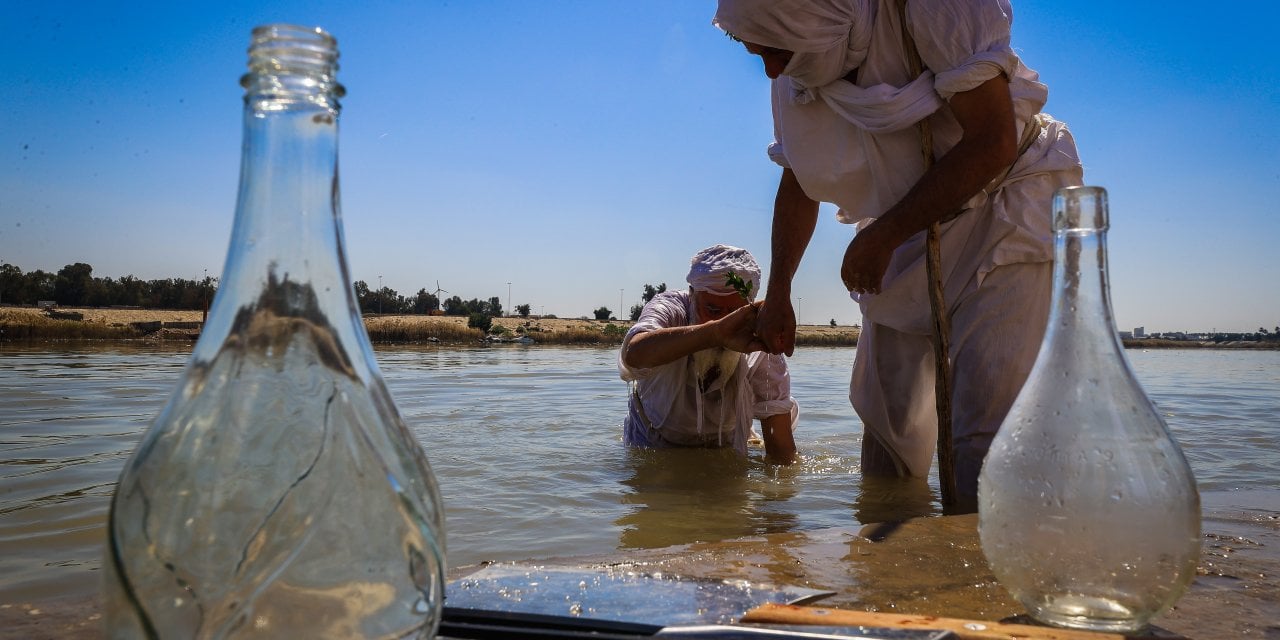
279 493
1088 511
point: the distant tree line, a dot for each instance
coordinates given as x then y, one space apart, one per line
75 286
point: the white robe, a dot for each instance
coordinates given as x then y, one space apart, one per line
838 159
666 407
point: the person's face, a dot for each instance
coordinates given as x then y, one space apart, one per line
775 60
710 306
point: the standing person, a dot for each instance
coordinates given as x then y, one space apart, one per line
845 111
693 385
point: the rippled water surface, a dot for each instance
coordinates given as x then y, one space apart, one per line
525 443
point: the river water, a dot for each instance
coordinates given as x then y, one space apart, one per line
525 444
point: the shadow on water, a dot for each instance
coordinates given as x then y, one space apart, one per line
681 496
684 496
883 499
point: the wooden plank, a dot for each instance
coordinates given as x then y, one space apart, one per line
965 629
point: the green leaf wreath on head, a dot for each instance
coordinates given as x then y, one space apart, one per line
743 287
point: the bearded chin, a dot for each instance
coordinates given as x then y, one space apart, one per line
707 359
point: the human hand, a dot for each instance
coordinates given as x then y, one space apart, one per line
776 326
865 261
737 330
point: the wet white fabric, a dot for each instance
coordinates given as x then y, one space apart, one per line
865 166
709 270
666 405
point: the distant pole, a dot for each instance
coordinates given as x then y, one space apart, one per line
619 304
379 294
204 287
508 298
799 309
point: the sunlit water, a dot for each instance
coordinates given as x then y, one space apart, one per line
526 445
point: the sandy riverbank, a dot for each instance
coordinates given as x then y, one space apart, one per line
381 328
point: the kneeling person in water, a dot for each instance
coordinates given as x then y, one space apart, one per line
698 372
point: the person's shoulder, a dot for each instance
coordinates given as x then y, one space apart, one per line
667 309
679 295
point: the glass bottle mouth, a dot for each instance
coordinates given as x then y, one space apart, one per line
1080 209
291 63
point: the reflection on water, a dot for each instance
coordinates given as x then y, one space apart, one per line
882 499
679 496
526 445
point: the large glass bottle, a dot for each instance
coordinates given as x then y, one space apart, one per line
1088 511
279 493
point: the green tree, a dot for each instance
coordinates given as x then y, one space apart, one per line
454 307
495 307
425 302
650 291
10 277
364 298
523 310
72 284
480 321
602 313
833 322
134 290
636 311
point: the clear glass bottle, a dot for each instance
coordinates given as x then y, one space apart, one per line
1088 511
279 493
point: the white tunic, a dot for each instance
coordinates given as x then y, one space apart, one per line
863 160
667 408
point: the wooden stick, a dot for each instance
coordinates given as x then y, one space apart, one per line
964 629
937 301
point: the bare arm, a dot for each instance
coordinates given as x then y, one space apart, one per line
795 216
660 346
988 145
779 443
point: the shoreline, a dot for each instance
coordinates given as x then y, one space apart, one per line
29 324
32 325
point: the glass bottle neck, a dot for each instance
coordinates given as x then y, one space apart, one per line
1081 308
285 261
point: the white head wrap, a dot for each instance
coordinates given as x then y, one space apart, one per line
709 270
829 38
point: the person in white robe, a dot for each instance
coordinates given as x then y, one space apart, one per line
845 112
698 377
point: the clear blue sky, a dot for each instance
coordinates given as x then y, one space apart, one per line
579 150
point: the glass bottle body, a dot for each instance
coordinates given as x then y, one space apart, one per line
279 493
1088 511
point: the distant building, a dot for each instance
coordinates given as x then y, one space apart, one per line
1125 335
1139 332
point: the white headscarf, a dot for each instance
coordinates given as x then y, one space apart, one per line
830 38
709 270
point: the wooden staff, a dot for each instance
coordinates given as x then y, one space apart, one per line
937 302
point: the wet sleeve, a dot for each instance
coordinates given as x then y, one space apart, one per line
662 311
770 384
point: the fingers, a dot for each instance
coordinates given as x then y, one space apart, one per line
859 282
